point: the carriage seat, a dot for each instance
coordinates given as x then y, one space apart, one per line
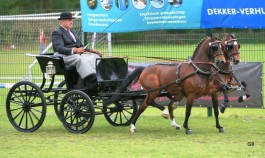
70 74
111 71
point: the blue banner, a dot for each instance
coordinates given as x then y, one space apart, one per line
233 14
141 15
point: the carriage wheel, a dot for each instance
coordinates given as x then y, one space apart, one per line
120 113
26 106
58 96
77 112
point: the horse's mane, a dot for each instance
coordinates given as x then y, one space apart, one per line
228 35
197 47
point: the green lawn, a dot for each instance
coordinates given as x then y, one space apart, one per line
155 137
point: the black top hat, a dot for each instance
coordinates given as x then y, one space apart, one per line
66 15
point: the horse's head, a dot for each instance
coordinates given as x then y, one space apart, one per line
215 50
231 49
209 50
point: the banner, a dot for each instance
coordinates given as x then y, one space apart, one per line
250 73
141 15
233 14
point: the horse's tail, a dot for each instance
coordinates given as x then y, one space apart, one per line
130 78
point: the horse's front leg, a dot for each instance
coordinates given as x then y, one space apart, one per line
242 85
187 114
216 112
226 100
247 95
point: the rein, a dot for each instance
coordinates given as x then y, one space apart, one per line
223 71
139 92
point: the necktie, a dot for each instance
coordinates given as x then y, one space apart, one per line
72 35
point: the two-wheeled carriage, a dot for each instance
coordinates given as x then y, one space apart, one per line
74 104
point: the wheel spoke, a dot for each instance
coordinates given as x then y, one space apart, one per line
21 101
124 115
16 102
39 111
26 123
21 118
116 116
34 114
33 98
77 122
18 113
120 117
31 119
26 97
16 109
73 118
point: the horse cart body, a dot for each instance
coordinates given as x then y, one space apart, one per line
74 104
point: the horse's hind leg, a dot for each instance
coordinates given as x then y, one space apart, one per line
172 119
216 113
171 106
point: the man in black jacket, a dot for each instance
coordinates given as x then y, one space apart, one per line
67 44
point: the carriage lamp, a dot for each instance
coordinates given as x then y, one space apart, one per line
50 69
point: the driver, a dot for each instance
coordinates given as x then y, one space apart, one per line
67 45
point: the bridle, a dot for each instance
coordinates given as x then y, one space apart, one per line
214 46
229 45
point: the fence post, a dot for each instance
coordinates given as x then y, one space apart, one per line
209 109
85 41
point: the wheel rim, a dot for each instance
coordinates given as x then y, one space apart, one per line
26 106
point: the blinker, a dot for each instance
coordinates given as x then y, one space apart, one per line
230 46
214 47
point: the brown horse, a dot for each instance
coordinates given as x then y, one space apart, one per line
225 75
183 79
232 54
220 80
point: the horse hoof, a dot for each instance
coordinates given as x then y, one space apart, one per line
222 108
133 130
221 130
178 127
166 116
188 132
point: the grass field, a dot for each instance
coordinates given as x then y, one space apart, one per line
244 137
